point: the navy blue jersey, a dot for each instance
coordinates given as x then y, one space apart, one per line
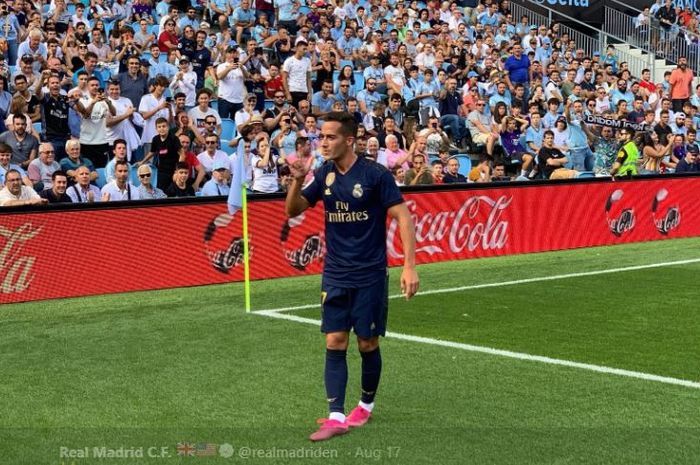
356 205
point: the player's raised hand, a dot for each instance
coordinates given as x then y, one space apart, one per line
299 170
409 282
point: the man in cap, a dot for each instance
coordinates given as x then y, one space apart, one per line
218 184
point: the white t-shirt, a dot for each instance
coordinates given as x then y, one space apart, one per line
186 85
198 116
297 71
395 74
207 160
117 131
150 103
264 179
130 192
231 87
93 130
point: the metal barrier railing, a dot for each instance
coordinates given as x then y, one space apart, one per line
518 11
622 20
590 41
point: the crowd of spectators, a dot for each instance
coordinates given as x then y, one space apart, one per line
119 100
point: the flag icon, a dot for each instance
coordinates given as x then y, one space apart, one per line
206 449
185 449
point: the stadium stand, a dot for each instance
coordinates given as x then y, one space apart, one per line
484 81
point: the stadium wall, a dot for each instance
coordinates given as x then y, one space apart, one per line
71 252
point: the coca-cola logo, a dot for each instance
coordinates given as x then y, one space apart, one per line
311 249
223 259
623 221
478 223
16 269
668 221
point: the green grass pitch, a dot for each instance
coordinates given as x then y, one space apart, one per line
146 371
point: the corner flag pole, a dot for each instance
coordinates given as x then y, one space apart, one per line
246 255
238 200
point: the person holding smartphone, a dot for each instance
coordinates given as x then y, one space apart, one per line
232 78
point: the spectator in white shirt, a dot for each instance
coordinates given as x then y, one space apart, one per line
120 189
15 193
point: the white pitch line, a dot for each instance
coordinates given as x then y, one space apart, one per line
506 353
511 283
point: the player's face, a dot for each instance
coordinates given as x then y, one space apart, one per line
334 145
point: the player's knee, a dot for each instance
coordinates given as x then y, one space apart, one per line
337 341
367 345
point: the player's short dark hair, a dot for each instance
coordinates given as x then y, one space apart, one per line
348 125
181 165
58 173
120 163
119 141
161 121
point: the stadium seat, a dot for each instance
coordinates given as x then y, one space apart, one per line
359 81
465 164
101 180
163 57
226 148
228 128
71 9
347 63
37 127
214 104
304 10
586 174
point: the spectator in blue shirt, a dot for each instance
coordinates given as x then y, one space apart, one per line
243 19
323 100
518 67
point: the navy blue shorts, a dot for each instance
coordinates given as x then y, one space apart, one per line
363 309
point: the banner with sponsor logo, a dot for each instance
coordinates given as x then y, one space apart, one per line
588 11
76 253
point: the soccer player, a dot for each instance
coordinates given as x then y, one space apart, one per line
357 194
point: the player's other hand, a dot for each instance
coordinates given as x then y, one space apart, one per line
298 170
409 282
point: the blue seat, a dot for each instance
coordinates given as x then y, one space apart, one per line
465 164
304 10
163 57
214 104
228 128
101 179
71 9
347 63
586 174
226 148
37 127
359 80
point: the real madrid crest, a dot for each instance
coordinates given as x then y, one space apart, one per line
357 191
330 179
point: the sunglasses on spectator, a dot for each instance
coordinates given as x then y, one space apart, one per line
211 122
287 121
211 142
145 175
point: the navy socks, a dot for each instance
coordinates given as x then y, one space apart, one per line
371 371
336 379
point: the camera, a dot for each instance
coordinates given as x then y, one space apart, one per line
168 99
258 51
235 60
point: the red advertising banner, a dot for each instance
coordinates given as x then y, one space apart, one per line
85 252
